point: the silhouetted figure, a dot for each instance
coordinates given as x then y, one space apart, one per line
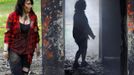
81 30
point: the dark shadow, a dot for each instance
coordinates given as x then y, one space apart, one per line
124 45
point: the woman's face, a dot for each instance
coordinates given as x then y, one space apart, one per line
27 6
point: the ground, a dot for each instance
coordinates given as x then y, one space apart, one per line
94 68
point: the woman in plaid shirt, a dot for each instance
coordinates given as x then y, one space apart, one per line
21 38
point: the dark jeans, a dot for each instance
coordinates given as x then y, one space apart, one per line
82 50
17 62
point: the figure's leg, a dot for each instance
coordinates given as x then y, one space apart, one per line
77 56
15 63
25 70
26 60
84 52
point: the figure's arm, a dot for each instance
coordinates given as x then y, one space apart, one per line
36 29
90 32
88 28
7 35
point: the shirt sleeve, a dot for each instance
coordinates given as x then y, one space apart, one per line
87 27
7 34
36 29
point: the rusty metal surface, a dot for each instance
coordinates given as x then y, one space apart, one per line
52 37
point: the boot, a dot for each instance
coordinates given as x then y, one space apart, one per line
84 64
76 65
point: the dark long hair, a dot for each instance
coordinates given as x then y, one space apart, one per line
19 7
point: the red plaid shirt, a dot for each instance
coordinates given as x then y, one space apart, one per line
13 30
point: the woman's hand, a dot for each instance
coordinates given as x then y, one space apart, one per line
5 53
93 37
37 53
37 50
